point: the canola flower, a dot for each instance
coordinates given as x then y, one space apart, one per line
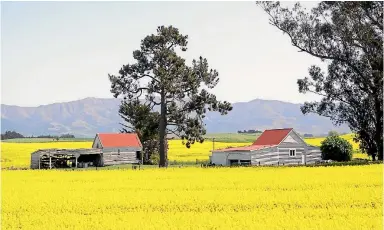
19 154
348 197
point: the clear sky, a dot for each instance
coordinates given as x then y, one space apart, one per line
63 51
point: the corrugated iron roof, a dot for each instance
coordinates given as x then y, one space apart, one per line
272 136
269 138
111 140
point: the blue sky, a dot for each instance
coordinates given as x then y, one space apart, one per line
63 51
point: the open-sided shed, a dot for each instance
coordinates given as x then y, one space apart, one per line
107 149
62 158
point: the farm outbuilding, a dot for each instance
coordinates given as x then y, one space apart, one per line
273 147
107 149
119 148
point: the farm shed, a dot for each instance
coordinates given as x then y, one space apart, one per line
107 149
273 147
63 158
119 148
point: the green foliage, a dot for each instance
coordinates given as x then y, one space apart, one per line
348 36
155 158
142 120
165 80
336 148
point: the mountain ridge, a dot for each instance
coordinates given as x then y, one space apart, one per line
90 115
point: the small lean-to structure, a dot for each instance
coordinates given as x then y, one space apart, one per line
107 149
273 147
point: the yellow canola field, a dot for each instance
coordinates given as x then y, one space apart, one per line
348 197
19 154
200 151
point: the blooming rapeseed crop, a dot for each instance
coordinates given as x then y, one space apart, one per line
348 197
19 154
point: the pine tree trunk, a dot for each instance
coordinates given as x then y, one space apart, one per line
379 129
162 131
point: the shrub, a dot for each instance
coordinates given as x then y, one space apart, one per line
155 158
336 148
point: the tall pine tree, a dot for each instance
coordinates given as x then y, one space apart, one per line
163 78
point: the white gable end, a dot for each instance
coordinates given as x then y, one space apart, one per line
289 139
293 139
96 142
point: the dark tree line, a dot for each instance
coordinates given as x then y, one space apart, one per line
11 135
14 135
348 36
249 131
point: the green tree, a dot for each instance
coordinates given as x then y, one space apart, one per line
164 78
348 36
142 120
336 148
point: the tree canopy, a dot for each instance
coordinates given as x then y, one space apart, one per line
336 148
142 120
161 77
348 36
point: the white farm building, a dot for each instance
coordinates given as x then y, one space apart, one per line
273 147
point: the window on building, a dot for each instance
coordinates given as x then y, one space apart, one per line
118 151
292 152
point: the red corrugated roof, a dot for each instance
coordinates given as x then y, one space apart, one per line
272 136
269 138
110 140
244 148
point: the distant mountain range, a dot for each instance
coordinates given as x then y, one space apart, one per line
88 116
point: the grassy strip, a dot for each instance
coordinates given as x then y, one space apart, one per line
46 140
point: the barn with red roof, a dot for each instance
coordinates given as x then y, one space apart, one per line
118 148
272 147
107 149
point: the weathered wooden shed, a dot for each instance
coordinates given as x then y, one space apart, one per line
63 158
119 148
273 147
107 149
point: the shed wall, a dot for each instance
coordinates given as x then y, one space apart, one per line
116 156
265 156
313 154
96 143
35 160
286 159
219 158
